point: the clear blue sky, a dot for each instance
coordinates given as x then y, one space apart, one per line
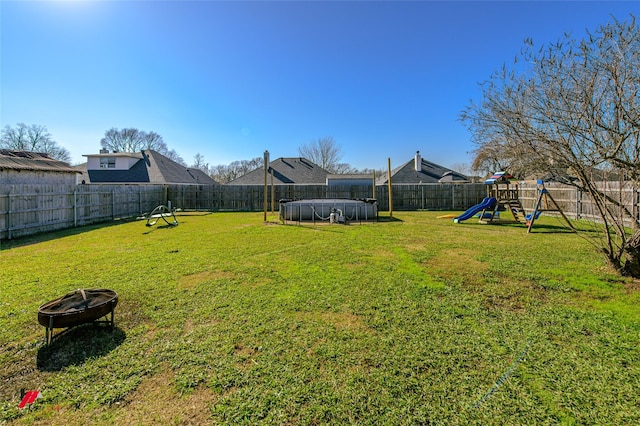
230 80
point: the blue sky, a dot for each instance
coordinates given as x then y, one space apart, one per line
230 80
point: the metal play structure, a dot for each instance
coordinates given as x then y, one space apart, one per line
545 203
164 213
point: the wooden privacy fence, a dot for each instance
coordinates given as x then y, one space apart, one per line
33 209
577 205
251 197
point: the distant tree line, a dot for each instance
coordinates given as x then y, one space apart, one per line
34 138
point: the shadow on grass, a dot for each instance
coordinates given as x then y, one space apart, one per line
60 233
311 223
540 228
77 344
152 228
388 219
555 229
54 235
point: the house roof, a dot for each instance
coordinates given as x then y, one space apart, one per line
33 161
152 167
429 173
286 171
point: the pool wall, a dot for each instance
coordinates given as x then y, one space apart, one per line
319 210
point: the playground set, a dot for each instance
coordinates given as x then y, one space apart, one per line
503 196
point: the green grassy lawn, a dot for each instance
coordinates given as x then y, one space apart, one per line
224 319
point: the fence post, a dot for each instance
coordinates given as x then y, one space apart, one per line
453 196
75 207
9 215
578 203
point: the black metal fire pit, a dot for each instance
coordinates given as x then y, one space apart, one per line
75 308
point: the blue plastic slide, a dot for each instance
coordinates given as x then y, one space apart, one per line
487 203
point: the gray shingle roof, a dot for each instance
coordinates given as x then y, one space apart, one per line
429 173
286 171
153 167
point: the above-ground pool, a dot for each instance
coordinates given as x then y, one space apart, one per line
329 210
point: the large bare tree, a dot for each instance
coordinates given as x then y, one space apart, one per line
324 152
34 138
571 110
134 140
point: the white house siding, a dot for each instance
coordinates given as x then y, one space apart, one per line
122 161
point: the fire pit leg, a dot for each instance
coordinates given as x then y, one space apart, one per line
113 308
49 333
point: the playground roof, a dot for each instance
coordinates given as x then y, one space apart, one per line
500 177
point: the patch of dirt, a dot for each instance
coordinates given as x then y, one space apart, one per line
633 285
509 302
247 355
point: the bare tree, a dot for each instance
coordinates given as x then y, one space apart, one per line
199 163
131 140
34 138
173 155
227 173
134 140
324 152
463 168
343 169
571 110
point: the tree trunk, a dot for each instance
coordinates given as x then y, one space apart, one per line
631 266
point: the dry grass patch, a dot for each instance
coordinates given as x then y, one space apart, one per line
459 263
632 286
193 280
512 302
344 320
156 401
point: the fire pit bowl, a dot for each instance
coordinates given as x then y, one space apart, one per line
75 308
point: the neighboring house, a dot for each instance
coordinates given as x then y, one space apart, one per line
147 166
419 170
285 171
352 179
24 167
